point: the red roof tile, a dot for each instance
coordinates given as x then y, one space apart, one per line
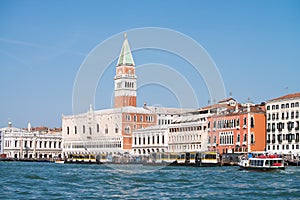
288 96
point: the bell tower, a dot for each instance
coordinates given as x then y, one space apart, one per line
125 79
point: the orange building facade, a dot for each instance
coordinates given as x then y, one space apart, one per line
229 130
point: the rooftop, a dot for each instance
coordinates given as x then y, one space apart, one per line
288 96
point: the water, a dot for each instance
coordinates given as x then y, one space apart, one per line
69 181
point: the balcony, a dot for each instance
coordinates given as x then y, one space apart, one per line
290 141
244 143
273 129
237 143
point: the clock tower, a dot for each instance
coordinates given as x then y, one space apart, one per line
125 79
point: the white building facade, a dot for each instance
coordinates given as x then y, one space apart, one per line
283 124
25 144
186 133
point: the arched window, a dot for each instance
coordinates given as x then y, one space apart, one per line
75 129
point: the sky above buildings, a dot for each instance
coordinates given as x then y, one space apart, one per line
254 44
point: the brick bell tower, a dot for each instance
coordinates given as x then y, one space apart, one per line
125 79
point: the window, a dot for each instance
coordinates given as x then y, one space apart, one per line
83 128
287 105
273 107
297 104
238 138
134 118
282 106
135 140
90 131
252 138
127 129
297 114
128 118
292 115
292 105
268 107
245 121
277 107
116 129
68 130
148 140
106 129
158 139
75 128
98 128
252 122
141 118
163 139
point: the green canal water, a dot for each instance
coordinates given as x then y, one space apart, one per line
22 180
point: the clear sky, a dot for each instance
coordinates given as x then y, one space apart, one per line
255 45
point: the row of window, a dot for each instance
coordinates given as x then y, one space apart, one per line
90 129
232 123
185 129
227 138
283 106
126 84
149 140
164 121
281 126
180 138
184 147
284 115
29 144
283 147
149 118
282 137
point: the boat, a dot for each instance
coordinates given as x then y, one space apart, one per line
262 162
59 161
209 159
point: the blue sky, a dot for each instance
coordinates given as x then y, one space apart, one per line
255 45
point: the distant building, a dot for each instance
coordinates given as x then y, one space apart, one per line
35 143
237 128
283 124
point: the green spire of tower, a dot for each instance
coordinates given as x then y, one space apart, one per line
125 57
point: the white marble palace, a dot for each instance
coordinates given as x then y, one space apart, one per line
30 143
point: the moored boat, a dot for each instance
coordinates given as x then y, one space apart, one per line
262 162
